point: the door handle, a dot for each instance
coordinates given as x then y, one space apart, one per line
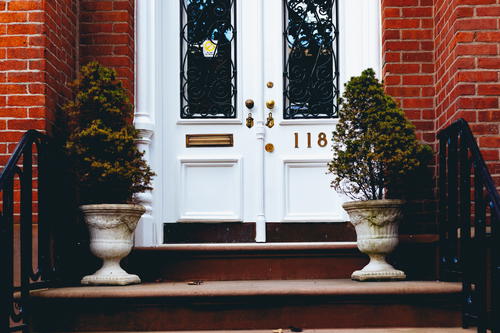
249 103
270 104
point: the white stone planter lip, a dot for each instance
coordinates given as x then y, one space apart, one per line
112 208
384 203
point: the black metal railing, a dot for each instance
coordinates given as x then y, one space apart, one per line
469 212
25 168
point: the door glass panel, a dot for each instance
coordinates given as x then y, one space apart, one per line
311 75
208 59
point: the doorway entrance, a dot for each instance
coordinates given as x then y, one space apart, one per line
249 98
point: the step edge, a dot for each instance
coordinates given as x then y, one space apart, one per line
220 247
252 288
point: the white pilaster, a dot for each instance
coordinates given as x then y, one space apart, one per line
144 117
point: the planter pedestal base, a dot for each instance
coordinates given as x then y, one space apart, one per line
378 269
111 274
378 275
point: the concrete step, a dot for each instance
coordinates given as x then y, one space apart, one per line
333 330
274 261
233 305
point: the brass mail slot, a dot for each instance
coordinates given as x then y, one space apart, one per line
209 140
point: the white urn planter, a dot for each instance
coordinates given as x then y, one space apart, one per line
376 223
111 229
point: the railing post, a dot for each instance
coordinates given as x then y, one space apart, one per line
443 256
479 240
26 230
452 205
6 256
465 234
495 273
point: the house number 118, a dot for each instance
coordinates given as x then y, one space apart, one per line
322 140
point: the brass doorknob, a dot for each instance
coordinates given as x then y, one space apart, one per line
249 103
270 104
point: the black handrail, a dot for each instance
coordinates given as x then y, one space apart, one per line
469 235
14 295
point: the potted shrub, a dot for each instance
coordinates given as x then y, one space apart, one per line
109 167
375 151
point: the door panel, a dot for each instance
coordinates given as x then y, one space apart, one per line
211 189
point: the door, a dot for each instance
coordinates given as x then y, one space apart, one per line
250 105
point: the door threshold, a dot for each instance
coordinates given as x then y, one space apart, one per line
252 246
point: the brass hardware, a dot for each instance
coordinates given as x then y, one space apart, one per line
209 140
270 120
269 147
249 103
250 120
270 84
270 104
322 140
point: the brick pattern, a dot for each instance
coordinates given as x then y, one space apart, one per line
22 62
408 73
37 60
107 35
408 60
60 53
467 37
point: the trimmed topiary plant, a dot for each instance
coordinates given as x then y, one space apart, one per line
374 146
101 142
109 167
375 153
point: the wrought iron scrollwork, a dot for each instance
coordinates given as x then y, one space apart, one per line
311 70
208 59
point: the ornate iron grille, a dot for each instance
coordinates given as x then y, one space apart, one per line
208 59
311 70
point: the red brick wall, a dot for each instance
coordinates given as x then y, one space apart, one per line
60 52
408 60
408 73
107 35
467 70
37 60
22 87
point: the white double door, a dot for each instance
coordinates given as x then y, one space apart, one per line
259 174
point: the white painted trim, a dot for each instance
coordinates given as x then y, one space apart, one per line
149 231
293 122
209 122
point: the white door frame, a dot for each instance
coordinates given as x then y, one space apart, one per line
360 45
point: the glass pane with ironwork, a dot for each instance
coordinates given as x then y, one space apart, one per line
208 59
311 71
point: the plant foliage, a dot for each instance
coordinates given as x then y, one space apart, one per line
101 139
375 150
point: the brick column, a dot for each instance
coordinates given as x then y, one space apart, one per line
467 71
408 61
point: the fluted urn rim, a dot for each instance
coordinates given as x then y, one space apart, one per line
113 208
384 203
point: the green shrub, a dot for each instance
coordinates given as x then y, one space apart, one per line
101 139
374 146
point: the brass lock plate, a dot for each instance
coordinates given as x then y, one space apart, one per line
269 147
